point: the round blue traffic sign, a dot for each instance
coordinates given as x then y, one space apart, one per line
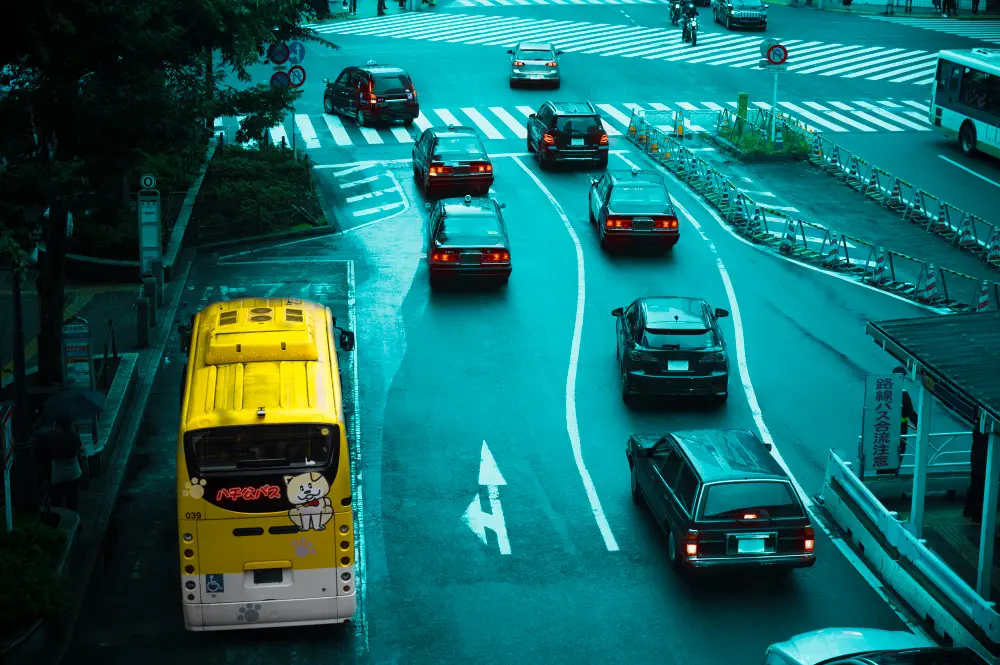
280 80
278 53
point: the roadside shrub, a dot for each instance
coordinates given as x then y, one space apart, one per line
32 590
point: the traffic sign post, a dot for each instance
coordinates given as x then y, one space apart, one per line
775 56
150 247
280 80
6 432
297 76
281 55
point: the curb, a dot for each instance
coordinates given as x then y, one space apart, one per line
318 232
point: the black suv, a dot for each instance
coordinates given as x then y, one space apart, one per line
740 13
567 131
723 500
372 93
671 345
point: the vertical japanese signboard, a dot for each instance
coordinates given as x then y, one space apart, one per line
7 432
150 247
880 429
78 360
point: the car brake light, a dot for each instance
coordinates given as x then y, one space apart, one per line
518 63
443 256
495 256
604 139
483 168
618 223
372 98
439 170
810 540
691 543
548 138
551 64
749 516
666 223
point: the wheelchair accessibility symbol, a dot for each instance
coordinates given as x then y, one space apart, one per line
215 583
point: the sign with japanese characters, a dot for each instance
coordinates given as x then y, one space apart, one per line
881 424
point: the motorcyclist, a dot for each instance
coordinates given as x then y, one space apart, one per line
690 12
675 11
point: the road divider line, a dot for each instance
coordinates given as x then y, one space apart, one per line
970 171
360 556
572 424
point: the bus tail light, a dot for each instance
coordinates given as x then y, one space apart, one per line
618 223
691 543
810 541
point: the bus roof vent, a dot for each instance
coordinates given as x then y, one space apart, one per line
987 52
265 335
228 318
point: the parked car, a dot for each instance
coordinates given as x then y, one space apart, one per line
372 93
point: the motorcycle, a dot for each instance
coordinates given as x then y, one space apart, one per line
691 31
675 13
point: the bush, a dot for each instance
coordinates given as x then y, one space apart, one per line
251 192
751 141
31 590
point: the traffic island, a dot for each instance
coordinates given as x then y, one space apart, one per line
753 143
258 193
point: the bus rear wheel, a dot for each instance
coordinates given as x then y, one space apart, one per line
967 139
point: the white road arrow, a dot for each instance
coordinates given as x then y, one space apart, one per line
479 521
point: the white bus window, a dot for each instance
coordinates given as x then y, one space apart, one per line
981 90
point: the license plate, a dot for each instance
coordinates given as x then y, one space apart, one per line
471 259
643 225
576 142
677 365
396 102
535 77
750 546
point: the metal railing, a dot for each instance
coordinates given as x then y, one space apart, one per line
661 136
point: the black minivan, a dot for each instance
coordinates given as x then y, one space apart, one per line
567 132
722 499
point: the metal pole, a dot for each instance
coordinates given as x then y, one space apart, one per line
292 127
984 574
921 453
22 422
774 107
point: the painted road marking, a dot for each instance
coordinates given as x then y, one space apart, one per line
370 195
372 136
306 131
336 127
479 521
355 183
402 135
482 123
511 122
970 171
279 136
368 212
572 423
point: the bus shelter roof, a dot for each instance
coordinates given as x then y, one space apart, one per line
959 353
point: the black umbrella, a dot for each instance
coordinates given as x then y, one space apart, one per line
73 404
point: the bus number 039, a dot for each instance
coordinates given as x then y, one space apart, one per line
192 516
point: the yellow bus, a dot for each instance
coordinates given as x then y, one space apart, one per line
265 521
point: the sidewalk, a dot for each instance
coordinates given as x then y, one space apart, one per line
368 8
988 9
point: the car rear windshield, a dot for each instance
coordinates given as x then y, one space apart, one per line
390 83
470 230
261 447
468 146
926 657
579 125
683 339
631 194
534 54
767 499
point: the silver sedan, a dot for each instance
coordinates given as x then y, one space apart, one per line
534 61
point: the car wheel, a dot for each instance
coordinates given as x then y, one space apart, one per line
967 139
715 14
328 106
590 215
721 399
528 144
729 23
626 387
674 553
602 163
408 122
360 118
634 484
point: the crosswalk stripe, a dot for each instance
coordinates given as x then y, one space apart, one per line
336 128
511 122
917 105
802 113
278 134
841 61
848 121
218 122
909 77
615 113
687 107
484 125
817 106
894 118
872 119
658 106
987 31
422 122
889 104
526 111
447 117
306 131
633 108
401 134
372 136
921 65
891 63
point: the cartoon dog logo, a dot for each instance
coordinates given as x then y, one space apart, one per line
311 509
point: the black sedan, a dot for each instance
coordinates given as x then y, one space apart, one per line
452 158
468 238
633 207
670 345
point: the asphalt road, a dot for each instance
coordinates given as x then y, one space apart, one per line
574 570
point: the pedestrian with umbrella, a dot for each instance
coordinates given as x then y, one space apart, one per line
63 446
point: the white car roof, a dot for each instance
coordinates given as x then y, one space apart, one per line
817 646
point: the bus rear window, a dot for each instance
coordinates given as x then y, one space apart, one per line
262 447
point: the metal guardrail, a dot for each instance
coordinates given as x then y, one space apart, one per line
840 478
662 135
950 452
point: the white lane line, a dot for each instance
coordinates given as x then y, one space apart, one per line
306 131
751 395
572 425
370 195
360 166
401 134
511 122
355 183
368 212
405 208
336 128
482 123
970 171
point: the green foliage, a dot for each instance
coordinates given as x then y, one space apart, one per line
32 590
253 192
751 140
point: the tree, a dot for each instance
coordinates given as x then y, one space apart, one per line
97 86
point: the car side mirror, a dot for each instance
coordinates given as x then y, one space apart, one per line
593 181
510 51
559 52
531 117
768 447
326 81
720 313
503 205
618 311
347 340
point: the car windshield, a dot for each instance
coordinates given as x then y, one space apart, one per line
578 125
773 499
390 83
749 4
930 656
630 194
534 54
469 146
682 339
261 447
470 229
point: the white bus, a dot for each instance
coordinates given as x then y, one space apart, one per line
965 102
